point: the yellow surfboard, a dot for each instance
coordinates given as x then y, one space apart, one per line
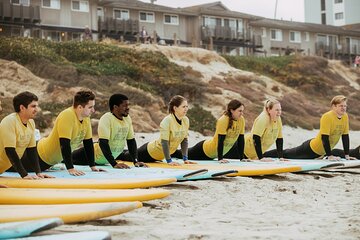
85 183
67 196
253 170
69 213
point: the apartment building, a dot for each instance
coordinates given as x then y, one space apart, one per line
223 30
285 37
57 20
332 12
212 26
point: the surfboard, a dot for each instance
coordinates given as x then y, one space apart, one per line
305 166
134 172
253 170
85 235
69 213
343 163
26 228
66 196
123 183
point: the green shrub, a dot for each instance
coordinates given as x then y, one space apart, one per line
201 120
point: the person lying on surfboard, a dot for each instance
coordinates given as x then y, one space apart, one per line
71 128
230 129
266 129
333 125
173 132
115 129
17 138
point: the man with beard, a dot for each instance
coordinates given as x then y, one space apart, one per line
115 128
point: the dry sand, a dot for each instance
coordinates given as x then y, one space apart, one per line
286 206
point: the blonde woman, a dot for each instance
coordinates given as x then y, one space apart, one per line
266 130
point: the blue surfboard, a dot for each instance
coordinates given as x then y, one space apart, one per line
86 235
26 228
134 172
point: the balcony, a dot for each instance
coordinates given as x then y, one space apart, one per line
19 13
116 26
280 45
227 36
224 33
322 48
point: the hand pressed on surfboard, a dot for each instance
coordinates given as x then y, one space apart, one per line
347 157
121 166
265 159
223 161
74 172
43 175
95 169
189 162
332 158
174 164
140 164
31 177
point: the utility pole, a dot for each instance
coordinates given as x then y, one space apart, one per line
276 3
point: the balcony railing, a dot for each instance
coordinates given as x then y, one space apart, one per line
336 49
112 25
224 33
20 13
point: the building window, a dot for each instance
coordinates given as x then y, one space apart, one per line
171 19
339 16
240 26
100 13
54 4
147 17
209 21
263 32
80 6
121 14
323 18
21 2
76 36
338 1
276 34
323 8
230 23
307 36
295 37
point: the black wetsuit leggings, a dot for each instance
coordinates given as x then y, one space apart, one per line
303 151
233 153
28 165
353 152
143 155
194 153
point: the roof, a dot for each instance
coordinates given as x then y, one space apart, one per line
300 26
139 5
218 9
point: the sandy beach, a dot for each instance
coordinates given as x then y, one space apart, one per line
318 205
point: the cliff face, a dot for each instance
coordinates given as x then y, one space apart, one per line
304 87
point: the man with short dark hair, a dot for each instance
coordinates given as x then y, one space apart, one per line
115 128
71 128
17 138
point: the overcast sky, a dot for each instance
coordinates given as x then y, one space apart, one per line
286 9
